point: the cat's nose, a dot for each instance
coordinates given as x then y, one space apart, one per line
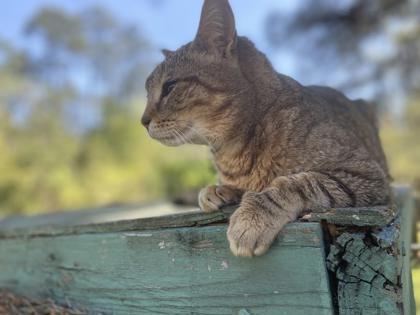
145 120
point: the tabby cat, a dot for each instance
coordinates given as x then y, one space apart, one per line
280 148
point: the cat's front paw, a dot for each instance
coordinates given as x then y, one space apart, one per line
213 198
252 229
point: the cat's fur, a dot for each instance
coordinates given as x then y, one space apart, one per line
280 148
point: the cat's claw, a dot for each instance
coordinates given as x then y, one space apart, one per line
252 231
213 198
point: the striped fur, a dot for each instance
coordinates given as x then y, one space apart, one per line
280 148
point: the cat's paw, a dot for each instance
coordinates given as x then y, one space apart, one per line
213 198
252 229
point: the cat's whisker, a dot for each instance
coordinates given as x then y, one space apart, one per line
175 134
184 137
179 135
202 136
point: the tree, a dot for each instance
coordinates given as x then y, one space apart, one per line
401 142
92 45
361 45
356 43
70 134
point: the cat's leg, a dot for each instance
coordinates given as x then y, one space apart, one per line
261 216
213 198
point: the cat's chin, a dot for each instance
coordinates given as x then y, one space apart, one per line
177 138
171 142
166 137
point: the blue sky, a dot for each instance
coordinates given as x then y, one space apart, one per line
171 23
165 23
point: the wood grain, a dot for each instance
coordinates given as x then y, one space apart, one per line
181 264
171 271
371 267
363 217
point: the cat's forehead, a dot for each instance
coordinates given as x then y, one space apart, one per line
155 76
172 67
158 75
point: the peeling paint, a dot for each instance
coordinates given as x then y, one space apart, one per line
138 234
203 244
366 274
224 265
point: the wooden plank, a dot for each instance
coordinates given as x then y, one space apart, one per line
105 214
371 267
407 218
361 217
171 271
180 264
126 218
187 219
367 217
367 273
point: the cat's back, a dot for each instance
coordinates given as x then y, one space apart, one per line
332 106
337 103
305 125
356 118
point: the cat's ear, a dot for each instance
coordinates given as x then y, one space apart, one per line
167 53
217 33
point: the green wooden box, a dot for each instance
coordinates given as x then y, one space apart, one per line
341 261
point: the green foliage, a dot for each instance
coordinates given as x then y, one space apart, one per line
401 140
186 175
58 28
51 161
44 167
92 43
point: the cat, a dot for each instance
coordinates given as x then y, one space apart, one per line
280 148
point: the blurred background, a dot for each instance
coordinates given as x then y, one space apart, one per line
72 89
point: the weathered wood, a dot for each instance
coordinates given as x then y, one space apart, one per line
181 264
367 216
408 209
171 271
187 219
374 216
416 218
104 214
371 268
367 275
134 217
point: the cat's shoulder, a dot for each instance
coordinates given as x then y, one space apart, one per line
334 104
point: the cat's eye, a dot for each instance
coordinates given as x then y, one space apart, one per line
167 88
